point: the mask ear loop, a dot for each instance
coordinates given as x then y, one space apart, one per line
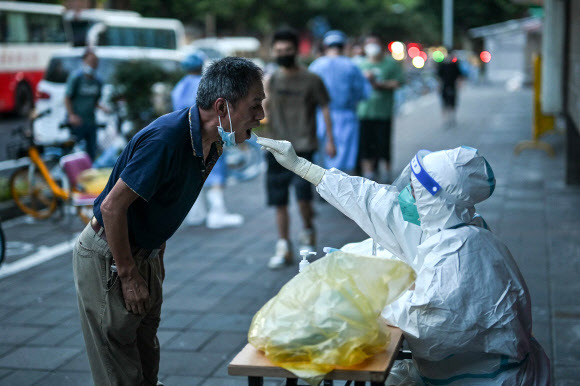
229 116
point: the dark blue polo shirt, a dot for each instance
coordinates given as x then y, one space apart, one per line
164 165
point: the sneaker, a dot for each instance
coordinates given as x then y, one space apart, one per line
223 220
308 240
283 255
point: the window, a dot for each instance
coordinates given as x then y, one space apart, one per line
23 27
138 37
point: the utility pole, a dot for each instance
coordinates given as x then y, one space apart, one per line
448 24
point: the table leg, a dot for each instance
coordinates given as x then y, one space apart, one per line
377 383
255 381
291 381
359 383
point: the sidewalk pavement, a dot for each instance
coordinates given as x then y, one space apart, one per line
217 279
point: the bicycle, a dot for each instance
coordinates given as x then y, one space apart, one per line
34 188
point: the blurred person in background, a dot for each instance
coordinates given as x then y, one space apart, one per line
449 74
346 86
376 113
83 91
293 94
216 216
118 258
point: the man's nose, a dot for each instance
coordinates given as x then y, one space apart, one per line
261 114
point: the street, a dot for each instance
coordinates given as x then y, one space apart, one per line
217 279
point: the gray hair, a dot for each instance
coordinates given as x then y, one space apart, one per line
230 78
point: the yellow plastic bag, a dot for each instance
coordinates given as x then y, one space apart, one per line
94 181
328 315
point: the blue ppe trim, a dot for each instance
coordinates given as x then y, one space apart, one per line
460 225
504 366
423 177
490 178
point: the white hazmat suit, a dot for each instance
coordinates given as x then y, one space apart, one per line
468 320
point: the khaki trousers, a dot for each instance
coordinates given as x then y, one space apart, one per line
122 348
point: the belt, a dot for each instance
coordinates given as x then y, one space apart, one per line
135 250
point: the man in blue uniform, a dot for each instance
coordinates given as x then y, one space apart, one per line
346 86
118 258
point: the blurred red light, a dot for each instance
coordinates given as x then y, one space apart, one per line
389 46
454 60
485 56
423 55
413 51
416 45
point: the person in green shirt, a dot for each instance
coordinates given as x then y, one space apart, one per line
375 113
83 91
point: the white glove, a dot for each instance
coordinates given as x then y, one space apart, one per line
286 156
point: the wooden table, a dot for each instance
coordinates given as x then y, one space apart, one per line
252 363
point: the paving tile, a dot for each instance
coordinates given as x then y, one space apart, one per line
566 376
53 336
567 340
64 378
176 380
78 363
224 322
17 334
226 343
188 363
166 336
4 348
177 319
189 341
5 373
38 358
24 377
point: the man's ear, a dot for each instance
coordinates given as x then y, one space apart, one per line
220 107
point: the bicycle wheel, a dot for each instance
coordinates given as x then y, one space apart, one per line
32 194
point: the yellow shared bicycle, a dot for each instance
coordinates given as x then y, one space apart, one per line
38 189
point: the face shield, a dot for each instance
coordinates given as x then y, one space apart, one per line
417 169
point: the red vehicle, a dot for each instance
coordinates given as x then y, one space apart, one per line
29 34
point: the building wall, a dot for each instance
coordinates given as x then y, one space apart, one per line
508 56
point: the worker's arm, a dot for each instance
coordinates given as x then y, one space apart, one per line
374 207
114 211
330 147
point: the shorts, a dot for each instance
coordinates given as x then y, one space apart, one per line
375 139
279 179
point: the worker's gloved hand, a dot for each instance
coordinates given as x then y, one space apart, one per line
286 156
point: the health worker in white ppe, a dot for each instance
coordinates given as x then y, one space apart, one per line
468 320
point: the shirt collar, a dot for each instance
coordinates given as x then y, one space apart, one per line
195 131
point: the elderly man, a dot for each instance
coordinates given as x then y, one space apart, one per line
118 258
468 320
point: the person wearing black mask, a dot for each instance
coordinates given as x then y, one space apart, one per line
292 96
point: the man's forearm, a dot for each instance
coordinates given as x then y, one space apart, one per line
327 122
117 228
